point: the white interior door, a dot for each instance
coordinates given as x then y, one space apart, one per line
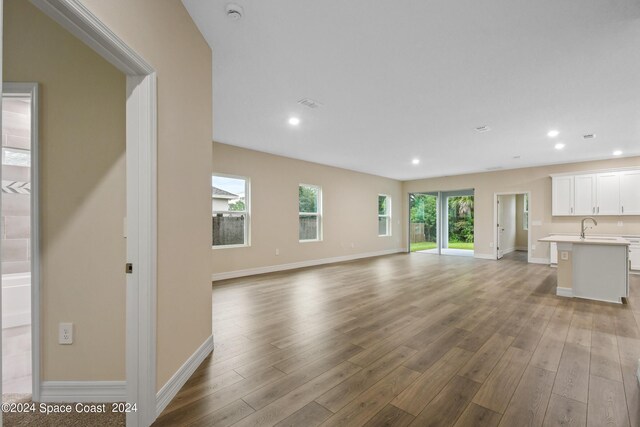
500 229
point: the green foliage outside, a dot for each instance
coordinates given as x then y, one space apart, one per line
237 206
460 212
461 219
308 199
382 205
424 246
423 211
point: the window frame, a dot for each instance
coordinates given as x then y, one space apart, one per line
317 214
246 211
525 212
388 205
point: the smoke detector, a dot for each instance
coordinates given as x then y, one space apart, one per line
234 11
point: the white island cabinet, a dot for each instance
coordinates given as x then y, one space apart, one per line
594 268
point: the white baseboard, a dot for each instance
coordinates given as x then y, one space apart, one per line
539 261
564 292
522 248
508 251
175 383
484 256
301 264
83 391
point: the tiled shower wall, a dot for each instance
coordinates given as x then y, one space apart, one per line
15 215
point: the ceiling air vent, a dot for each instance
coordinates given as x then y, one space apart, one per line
494 168
589 136
307 102
483 129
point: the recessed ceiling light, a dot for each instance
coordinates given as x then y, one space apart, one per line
617 153
516 157
559 146
483 129
294 121
553 133
415 161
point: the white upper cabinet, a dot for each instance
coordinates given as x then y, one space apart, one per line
585 195
562 189
630 192
608 193
616 192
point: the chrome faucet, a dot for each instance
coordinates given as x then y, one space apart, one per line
583 228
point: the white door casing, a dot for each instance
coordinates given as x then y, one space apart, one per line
500 228
141 181
30 90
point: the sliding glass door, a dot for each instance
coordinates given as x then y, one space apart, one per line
442 222
423 222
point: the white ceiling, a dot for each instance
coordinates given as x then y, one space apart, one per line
413 78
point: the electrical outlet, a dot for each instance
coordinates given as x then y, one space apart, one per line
353 245
533 247
490 244
65 333
277 251
564 255
620 224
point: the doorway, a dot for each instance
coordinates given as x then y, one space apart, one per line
20 241
512 235
442 222
140 225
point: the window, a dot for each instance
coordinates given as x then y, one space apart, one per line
16 157
525 213
310 213
384 215
230 207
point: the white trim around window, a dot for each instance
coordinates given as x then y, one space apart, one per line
385 214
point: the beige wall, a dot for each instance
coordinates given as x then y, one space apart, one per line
163 33
82 184
349 210
537 181
522 235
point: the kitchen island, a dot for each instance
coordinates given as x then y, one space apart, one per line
594 268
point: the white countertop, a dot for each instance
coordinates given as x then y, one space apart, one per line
589 240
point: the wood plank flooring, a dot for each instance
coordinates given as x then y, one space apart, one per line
414 340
